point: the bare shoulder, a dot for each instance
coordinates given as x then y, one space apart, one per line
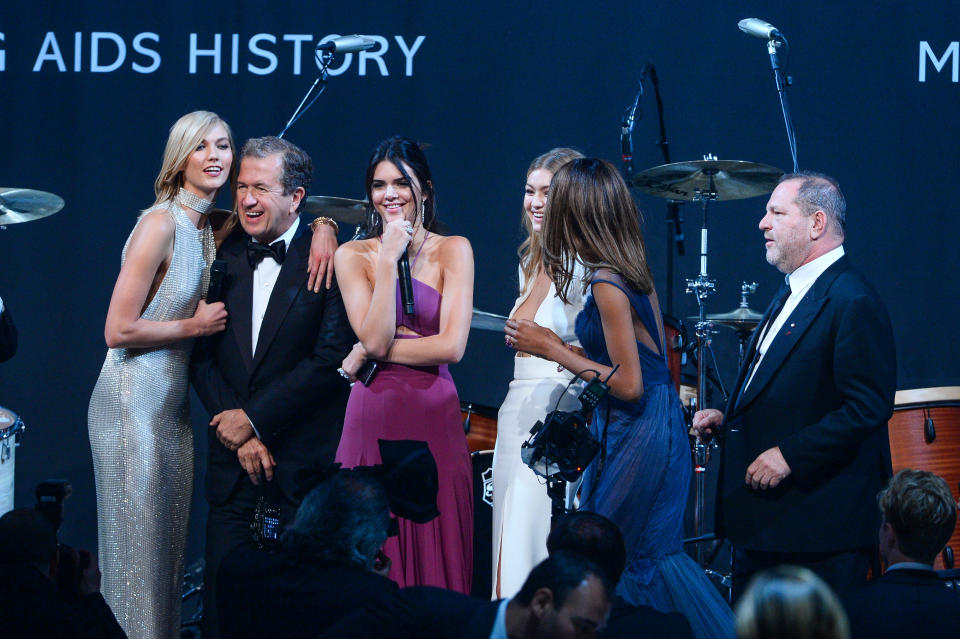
156 223
357 249
453 247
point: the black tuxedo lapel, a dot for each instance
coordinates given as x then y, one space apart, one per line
291 279
792 331
239 299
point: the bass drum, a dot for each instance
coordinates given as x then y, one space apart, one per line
925 435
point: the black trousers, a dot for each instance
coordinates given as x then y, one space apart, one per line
228 526
841 571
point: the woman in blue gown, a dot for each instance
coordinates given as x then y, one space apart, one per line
641 478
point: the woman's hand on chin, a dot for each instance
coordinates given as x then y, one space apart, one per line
396 236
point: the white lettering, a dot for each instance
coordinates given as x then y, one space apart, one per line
263 53
926 52
196 53
49 51
408 53
95 38
347 57
235 53
298 40
150 53
374 54
78 51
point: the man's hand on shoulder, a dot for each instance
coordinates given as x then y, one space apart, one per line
767 470
233 428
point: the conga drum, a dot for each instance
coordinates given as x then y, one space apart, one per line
480 425
925 435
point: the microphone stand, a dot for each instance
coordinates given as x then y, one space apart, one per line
782 83
674 221
325 58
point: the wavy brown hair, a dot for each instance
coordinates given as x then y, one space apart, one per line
531 250
591 218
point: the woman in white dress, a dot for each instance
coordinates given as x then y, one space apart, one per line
521 507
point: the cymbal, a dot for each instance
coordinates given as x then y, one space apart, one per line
340 209
740 319
26 205
485 321
728 179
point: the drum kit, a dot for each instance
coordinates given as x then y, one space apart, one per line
18 206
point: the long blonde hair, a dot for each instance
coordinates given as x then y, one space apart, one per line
531 250
185 135
591 218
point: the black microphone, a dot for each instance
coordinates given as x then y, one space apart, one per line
759 29
347 44
406 283
218 272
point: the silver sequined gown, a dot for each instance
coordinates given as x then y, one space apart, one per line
142 443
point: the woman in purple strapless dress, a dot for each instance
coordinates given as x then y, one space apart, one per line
412 396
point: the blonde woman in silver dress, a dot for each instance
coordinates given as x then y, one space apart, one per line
521 508
139 419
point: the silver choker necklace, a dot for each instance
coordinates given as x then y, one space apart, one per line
193 201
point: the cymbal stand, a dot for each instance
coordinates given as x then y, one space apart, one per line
743 334
702 287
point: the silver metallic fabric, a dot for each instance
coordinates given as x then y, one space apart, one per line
142 443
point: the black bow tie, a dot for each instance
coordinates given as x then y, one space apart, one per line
256 251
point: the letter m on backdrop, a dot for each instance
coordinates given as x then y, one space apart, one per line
926 53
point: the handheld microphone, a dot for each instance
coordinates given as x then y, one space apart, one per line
759 29
406 284
347 44
218 272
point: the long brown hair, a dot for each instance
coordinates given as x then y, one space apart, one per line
531 250
591 218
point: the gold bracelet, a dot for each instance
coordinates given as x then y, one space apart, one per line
325 220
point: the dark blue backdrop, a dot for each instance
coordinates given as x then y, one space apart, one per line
491 85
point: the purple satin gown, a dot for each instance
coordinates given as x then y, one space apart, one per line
419 403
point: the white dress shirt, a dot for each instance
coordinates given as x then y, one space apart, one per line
264 278
800 282
499 630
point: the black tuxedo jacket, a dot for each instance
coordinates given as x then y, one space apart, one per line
8 336
262 594
823 393
289 388
904 603
421 611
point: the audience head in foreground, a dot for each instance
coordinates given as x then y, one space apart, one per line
919 515
564 596
593 536
789 602
344 519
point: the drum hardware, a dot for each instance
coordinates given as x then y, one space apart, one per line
26 205
742 319
11 431
705 181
